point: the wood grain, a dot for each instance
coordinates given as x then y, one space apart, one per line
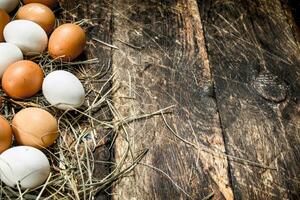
255 62
162 62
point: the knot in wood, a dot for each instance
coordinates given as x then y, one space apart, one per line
270 87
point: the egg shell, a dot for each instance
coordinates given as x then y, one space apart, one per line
22 79
49 3
38 13
9 5
4 19
25 165
67 42
63 90
27 35
35 127
10 54
5 134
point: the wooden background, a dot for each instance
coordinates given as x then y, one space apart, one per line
230 70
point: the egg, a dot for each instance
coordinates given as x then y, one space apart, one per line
9 5
10 54
5 134
49 3
22 79
25 166
67 42
4 19
63 90
38 13
35 127
27 35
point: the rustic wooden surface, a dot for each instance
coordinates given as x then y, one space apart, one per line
166 64
231 71
255 59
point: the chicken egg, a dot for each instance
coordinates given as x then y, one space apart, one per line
63 90
67 42
5 134
35 127
27 35
26 166
9 5
22 79
38 13
4 19
10 54
49 3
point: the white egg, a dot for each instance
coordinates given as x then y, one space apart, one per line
23 165
9 5
27 35
63 90
10 54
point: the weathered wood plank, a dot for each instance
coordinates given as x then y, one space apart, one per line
162 62
98 25
255 66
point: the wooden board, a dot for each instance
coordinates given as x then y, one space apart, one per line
98 24
255 62
244 92
162 62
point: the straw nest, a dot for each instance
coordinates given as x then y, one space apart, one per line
81 132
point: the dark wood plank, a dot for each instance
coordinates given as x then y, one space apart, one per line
162 62
98 25
292 11
255 65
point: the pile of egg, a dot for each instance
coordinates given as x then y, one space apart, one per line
33 129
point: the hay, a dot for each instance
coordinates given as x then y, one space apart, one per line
81 132
72 160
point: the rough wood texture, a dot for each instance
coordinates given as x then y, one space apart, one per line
162 61
255 63
98 25
248 95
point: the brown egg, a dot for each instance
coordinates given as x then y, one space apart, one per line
49 3
4 19
35 127
39 14
22 79
67 42
5 134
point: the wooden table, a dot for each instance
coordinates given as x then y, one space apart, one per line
216 83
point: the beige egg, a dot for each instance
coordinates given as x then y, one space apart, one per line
35 127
